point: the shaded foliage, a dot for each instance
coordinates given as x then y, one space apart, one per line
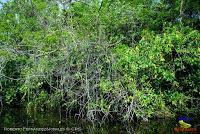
101 60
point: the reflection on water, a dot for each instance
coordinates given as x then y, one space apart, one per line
17 121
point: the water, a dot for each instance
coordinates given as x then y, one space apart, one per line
18 120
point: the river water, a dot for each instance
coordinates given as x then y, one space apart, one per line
19 121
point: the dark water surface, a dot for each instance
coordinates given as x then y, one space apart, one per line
19 121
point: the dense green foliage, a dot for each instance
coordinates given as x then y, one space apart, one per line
101 59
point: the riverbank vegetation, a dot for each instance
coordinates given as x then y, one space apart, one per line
101 60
